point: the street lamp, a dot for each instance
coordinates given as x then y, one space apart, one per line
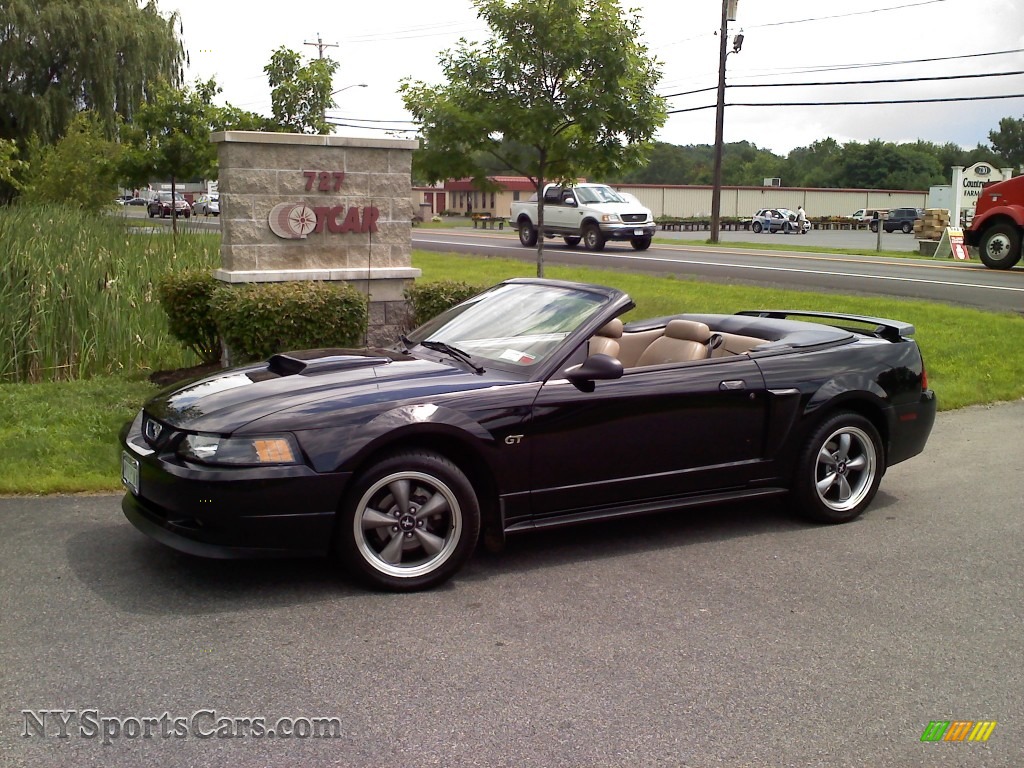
728 14
335 93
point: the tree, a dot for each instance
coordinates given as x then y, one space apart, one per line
60 57
170 137
300 95
1008 141
10 165
561 89
80 169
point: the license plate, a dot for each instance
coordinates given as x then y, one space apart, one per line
130 472
638 232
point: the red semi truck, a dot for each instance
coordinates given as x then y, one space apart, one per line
998 225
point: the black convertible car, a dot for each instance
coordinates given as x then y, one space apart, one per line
528 406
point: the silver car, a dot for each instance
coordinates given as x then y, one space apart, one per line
206 205
774 220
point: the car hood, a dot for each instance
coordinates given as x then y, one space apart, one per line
228 401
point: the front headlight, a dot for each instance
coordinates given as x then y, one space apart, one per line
239 451
610 218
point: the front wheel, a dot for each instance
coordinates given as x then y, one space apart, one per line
593 240
527 234
839 469
1000 247
409 523
571 241
641 243
756 227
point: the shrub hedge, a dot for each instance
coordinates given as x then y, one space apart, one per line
185 297
428 300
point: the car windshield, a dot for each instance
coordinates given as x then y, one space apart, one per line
517 324
598 195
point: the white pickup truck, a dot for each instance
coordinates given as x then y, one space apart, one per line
593 213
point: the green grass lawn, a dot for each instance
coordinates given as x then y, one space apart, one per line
62 437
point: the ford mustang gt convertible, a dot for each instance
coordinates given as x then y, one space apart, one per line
529 406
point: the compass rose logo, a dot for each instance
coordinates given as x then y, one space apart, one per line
292 221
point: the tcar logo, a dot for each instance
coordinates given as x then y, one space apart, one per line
292 221
295 221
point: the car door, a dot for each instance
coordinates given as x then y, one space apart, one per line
658 432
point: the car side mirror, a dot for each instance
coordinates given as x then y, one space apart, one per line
569 201
594 368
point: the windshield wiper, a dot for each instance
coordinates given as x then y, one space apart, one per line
448 349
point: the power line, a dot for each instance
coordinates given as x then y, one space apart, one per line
839 67
851 82
843 15
853 103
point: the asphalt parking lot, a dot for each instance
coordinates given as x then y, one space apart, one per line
732 637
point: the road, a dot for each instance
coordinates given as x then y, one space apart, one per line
963 284
731 637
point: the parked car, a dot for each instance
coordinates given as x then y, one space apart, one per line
160 205
136 201
775 220
900 218
206 205
526 407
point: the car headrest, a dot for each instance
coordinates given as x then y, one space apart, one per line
611 330
688 330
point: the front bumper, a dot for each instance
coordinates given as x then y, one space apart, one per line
222 512
627 231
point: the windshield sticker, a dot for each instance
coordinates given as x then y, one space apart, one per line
517 357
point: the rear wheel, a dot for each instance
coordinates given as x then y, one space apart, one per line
1000 246
873 226
839 470
641 243
527 234
756 227
593 240
571 241
907 227
410 522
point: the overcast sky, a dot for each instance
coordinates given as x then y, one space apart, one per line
379 43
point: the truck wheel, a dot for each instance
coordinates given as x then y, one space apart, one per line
593 240
641 243
1000 246
571 240
527 234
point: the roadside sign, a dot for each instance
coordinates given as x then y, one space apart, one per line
952 245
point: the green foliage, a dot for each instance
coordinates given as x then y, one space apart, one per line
60 56
1008 141
561 89
79 170
300 94
261 319
10 166
77 294
185 297
428 300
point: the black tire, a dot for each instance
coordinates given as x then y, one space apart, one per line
150 212
385 538
839 470
907 228
756 227
873 227
527 234
641 243
571 240
1000 246
593 240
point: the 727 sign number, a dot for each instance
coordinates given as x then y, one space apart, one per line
326 181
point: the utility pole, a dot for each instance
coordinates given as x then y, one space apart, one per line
320 45
728 14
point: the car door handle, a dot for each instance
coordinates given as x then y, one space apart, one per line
732 386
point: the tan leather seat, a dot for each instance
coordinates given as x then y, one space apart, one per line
683 340
606 340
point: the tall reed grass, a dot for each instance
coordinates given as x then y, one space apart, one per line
77 294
